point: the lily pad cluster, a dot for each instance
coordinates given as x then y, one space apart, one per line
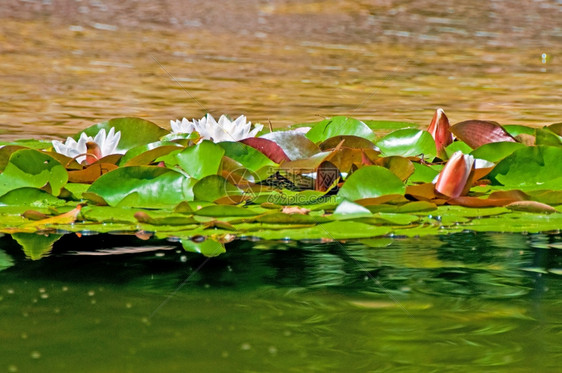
339 178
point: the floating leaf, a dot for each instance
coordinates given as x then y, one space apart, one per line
547 137
371 182
408 142
267 147
201 160
534 167
144 217
143 186
294 144
350 210
91 173
213 187
400 166
515 130
30 197
338 126
556 128
476 133
246 155
457 146
134 131
423 173
36 246
65 218
496 151
32 168
531 206
143 155
354 142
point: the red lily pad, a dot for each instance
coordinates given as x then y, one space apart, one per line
476 133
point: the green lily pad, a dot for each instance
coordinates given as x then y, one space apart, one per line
533 167
423 173
338 126
515 129
350 210
30 197
371 182
201 160
496 151
143 186
547 137
457 146
213 187
247 156
408 142
32 168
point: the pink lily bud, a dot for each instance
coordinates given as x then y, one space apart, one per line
93 152
440 130
455 179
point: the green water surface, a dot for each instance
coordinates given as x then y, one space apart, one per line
461 302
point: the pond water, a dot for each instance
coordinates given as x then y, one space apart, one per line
466 301
67 64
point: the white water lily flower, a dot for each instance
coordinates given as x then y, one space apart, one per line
223 130
106 145
182 126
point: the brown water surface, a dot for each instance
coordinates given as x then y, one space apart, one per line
65 65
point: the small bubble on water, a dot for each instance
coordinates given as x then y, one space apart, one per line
35 354
12 368
245 347
91 293
23 335
44 296
272 350
287 333
224 354
10 291
160 254
65 288
93 301
56 310
128 305
183 258
544 58
42 290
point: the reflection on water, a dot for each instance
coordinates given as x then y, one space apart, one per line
66 64
487 301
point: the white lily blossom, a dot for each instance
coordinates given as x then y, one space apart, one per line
107 144
182 126
223 130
